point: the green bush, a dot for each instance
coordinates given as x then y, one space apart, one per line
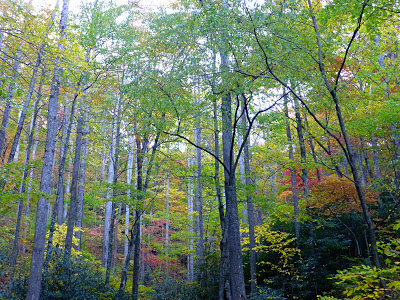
73 278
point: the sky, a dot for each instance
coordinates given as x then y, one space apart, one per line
74 4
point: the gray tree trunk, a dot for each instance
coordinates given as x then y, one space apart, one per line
190 260
73 204
303 153
366 159
81 185
198 200
167 217
108 208
114 181
377 168
237 286
7 109
46 183
348 149
249 200
66 133
129 172
295 198
25 175
28 98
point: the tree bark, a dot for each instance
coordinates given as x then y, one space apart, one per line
295 198
129 172
237 285
303 153
7 109
377 168
73 205
198 195
35 275
190 261
81 185
25 175
249 200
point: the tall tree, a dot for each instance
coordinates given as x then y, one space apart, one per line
35 275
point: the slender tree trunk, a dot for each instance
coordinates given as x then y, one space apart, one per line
190 261
73 204
142 188
81 185
115 248
303 153
242 174
293 183
377 168
366 159
224 262
46 183
129 172
25 175
136 231
198 195
108 208
250 204
28 98
235 252
7 109
167 218
114 180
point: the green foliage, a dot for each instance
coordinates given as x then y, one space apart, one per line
365 282
68 279
361 282
266 293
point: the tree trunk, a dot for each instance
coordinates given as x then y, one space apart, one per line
108 208
25 175
293 183
198 200
114 181
136 231
190 261
28 98
7 109
81 186
377 168
46 183
129 172
303 153
167 218
235 252
366 159
115 248
250 204
73 204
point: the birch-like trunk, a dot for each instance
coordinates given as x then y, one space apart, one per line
129 172
81 185
198 200
190 260
377 168
108 208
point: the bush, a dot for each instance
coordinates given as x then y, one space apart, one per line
73 278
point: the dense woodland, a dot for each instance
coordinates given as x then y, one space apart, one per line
207 149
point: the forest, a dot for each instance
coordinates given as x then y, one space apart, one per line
200 149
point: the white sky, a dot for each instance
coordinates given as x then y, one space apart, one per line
74 4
